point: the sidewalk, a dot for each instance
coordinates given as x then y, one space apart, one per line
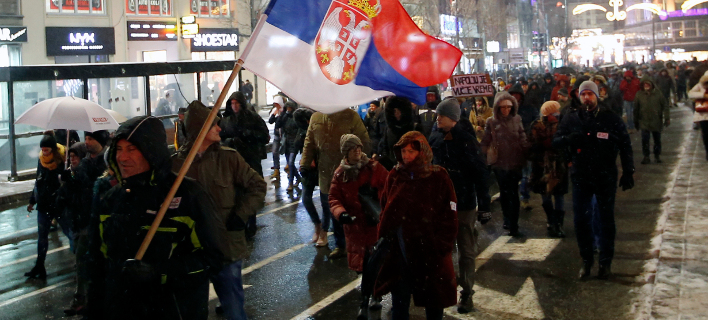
14 191
679 287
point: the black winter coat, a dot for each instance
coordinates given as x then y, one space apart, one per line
244 131
458 152
599 137
45 190
86 175
395 129
293 136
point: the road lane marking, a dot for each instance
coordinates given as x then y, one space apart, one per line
33 257
295 203
36 292
23 231
311 311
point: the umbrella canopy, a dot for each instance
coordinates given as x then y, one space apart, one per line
68 113
119 117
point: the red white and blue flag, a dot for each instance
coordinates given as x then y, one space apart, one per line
333 54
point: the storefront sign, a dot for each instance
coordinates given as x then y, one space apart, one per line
69 41
209 7
472 85
492 46
687 13
447 25
148 7
152 31
215 40
13 34
76 6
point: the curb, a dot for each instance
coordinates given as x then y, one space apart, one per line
16 237
17 197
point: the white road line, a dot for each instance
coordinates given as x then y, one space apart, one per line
36 292
327 301
282 207
19 232
33 256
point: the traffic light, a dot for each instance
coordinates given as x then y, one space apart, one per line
539 42
535 42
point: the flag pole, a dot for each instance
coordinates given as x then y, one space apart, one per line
188 162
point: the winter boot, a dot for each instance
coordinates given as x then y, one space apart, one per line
466 305
318 230
290 187
551 225
322 240
38 272
585 270
275 174
560 216
646 160
657 159
363 309
375 304
604 273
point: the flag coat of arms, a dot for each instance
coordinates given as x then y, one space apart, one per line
333 54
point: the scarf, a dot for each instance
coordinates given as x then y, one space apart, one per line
351 171
50 162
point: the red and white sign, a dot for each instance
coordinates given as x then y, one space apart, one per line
342 41
204 7
148 7
76 6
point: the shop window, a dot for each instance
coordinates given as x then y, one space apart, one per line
10 55
76 6
209 8
29 93
691 33
125 96
212 83
10 7
161 8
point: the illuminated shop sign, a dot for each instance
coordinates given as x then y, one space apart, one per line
447 25
152 30
688 13
70 41
13 34
148 7
215 40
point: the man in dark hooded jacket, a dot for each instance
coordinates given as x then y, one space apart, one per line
399 120
651 114
547 86
172 279
665 84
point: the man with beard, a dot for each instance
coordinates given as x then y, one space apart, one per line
594 137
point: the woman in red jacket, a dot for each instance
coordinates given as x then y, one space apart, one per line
419 215
357 177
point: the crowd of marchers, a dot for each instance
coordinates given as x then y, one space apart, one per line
401 189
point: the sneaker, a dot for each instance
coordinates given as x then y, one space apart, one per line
338 253
466 305
646 160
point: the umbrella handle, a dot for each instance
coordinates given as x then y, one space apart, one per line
187 162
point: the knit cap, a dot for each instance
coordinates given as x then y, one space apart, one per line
588 85
349 141
449 108
48 141
563 92
549 108
101 136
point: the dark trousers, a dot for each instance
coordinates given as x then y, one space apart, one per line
339 239
44 221
401 303
307 191
704 133
583 209
508 181
251 226
646 135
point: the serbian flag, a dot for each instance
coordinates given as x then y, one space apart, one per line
332 54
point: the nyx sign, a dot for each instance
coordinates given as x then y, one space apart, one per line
13 34
63 41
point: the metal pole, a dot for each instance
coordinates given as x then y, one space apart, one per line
148 112
11 116
653 40
199 86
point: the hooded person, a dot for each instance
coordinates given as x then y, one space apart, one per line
651 114
549 174
481 111
420 258
399 120
238 191
534 95
505 136
171 281
665 83
526 111
547 86
607 96
562 81
357 182
244 130
699 93
293 139
44 195
629 87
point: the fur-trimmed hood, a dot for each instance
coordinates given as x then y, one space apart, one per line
504 96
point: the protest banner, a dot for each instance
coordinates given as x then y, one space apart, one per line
472 85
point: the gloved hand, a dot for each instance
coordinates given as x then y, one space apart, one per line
484 216
138 271
626 181
345 218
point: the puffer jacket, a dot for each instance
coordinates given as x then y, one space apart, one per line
651 110
508 134
183 252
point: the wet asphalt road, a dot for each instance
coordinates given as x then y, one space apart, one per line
529 278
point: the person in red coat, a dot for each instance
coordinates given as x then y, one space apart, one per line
562 81
419 215
357 172
629 88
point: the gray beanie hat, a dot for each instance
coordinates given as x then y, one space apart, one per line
588 85
449 108
349 141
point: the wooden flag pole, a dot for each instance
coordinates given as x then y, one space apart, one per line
188 162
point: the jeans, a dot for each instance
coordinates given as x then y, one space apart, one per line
559 203
596 225
582 207
509 196
628 108
276 154
307 191
401 303
646 135
43 224
292 171
339 239
228 284
466 248
524 187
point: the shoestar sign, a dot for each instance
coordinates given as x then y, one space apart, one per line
215 39
471 85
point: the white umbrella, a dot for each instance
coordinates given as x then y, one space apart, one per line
117 116
68 113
